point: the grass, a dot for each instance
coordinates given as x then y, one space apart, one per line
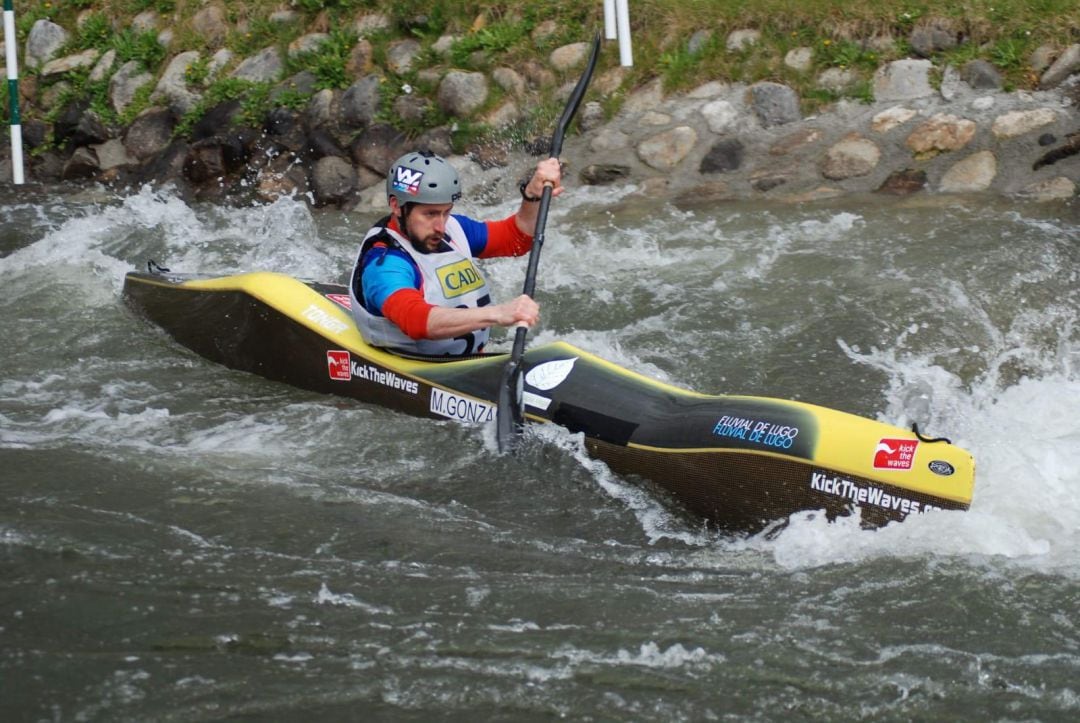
492 33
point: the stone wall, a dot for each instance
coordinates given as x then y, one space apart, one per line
960 134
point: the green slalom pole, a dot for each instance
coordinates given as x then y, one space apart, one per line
10 44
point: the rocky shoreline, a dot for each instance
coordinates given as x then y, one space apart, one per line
929 129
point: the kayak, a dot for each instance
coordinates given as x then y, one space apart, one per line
742 463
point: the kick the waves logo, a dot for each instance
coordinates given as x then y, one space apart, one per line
342 368
866 494
895 454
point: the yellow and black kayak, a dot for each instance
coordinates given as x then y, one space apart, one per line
740 462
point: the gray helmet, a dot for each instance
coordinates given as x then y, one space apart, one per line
422 177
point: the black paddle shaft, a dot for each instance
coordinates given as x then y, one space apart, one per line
510 416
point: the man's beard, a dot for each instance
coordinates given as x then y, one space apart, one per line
428 244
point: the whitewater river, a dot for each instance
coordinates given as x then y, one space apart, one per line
179 541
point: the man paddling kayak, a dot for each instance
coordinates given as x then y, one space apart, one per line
414 287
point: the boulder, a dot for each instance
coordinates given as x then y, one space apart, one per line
172 87
774 104
852 156
63 66
150 133
43 42
719 115
568 57
981 75
77 125
666 150
904 182
265 66
205 161
308 43
609 139
1066 64
461 92
740 40
112 154
1052 189
941 133
103 66
209 23
82 164
125 83
903 80
725 156
974 173
377 147
886 120
794 141
333 181
603 174
360 102
800 59
1017 123
321 144
932 36
401 55
509 80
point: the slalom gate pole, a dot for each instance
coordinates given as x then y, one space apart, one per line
622 23
10 46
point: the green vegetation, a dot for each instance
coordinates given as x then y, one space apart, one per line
328 63
682 42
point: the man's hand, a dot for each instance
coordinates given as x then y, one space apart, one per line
548 173
522 310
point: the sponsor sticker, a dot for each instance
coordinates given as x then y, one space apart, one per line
407 180
341 300
765 433
941 467
372 373
314 314
339 364
463 409
550 374
865 494
535 400
895 454
342 368
459 278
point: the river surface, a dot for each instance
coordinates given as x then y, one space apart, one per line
183 542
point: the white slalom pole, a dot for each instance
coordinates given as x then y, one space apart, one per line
10 44
622 18
610 31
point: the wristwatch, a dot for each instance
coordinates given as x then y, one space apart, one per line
525 194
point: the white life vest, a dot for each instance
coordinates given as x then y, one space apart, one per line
449 279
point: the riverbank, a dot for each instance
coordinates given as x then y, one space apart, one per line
322 111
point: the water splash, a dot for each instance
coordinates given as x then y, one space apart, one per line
1026 507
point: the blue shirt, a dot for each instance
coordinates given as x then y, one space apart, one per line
387 270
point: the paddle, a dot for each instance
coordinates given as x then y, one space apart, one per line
510 416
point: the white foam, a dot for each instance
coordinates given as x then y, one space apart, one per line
1026 507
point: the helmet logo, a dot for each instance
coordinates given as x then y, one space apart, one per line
406 180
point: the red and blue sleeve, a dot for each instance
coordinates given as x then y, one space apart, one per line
489 239
392 286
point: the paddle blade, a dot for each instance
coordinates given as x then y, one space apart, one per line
510 418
